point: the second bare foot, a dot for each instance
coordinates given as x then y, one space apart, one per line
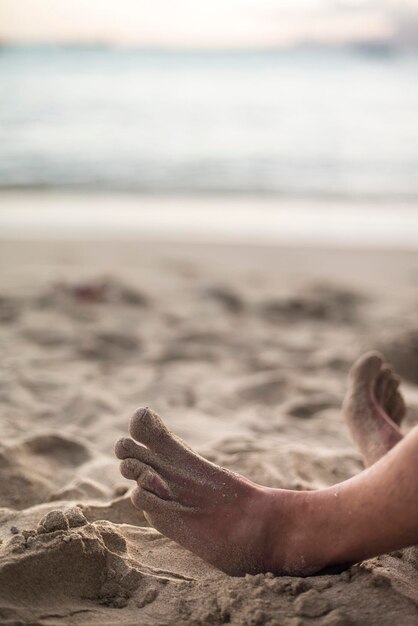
373 407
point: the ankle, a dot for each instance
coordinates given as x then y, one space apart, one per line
302 537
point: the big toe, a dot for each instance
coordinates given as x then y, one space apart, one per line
148 428
366 369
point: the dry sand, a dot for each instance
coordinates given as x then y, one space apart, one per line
244 352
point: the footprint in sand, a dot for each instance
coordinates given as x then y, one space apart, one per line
306 407
10 309
401 350
264 388
226 297
322 303
100 290
48 331
109 344
33 469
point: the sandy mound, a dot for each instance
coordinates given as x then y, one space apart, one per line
68 568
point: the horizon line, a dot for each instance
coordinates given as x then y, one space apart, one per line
371 44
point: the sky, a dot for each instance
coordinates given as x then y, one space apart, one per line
209 23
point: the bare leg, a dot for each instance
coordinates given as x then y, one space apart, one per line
373 407
241 527
377 510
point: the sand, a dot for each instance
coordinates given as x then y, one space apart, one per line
244 351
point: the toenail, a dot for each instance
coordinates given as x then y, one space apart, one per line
140 413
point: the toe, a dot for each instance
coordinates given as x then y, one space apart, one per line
151 481
148 428
382 381
146 500
392 386
386 384
397 408
366 369
147 478
132 468
126 448
390 391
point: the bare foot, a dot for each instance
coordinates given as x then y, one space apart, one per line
227 520
373 407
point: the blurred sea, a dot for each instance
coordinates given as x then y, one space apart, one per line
304 123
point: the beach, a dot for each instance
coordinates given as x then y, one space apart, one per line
244 350
207 211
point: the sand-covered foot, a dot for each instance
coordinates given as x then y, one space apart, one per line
373 407
227 520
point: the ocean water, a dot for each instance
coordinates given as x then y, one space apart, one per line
304 123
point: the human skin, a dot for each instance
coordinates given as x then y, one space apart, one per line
242 527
